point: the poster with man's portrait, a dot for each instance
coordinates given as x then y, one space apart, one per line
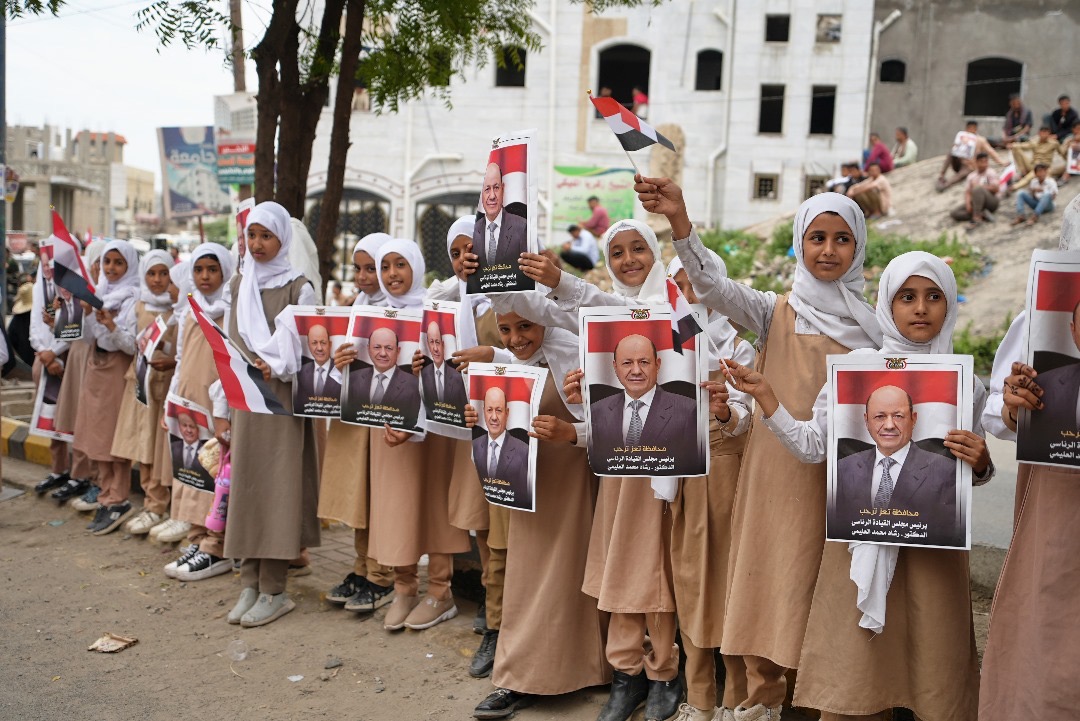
964 145
891 480
147 342
1074 160
190 426
43 419
645 410
505 216
379 387
317 385
45 258
441 383
69 316
1051 436
506 398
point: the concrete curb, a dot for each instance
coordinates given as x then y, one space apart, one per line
17 442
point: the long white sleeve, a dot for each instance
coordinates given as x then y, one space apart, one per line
537 308
123 338
181 322
741 404
1010 351
218 400
752 309
804 439
285 365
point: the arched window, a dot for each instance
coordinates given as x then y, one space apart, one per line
710 67
508 74
361 212
893 71
990 82
623 68
434 216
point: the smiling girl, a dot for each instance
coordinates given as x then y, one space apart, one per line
112 329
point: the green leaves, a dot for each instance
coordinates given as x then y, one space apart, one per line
192 23
22 8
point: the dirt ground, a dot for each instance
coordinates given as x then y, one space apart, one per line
62 589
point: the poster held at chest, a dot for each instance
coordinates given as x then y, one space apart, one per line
1051 436
441 383
891 480
380 388
317 385
69 316
43 419
645 410
505 217
147 342
506 399
190 427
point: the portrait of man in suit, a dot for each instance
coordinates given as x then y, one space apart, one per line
384 383
318 379
185 449
69 317
897 474
498 455
644 414
442 382
1061 396
499 237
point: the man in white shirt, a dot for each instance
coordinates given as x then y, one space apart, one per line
895 474
1039 196
581 251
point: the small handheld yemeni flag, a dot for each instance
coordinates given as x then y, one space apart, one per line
243 383
633 132
684 325
70 273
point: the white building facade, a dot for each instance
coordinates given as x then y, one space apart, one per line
763 119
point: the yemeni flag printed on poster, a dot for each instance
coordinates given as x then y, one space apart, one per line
684 325
243 383
70 273
633 132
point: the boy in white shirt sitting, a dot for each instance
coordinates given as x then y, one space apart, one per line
1039 195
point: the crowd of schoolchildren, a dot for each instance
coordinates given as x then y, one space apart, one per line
606 583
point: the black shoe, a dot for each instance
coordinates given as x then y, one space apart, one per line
99 517
345 590
479 624
627 693
502 703
53 480
112 518
484 658
664 699
72 489
371 597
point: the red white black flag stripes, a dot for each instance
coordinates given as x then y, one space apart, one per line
70 274
633 132
684 325
243 383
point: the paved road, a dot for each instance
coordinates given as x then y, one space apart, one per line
992 504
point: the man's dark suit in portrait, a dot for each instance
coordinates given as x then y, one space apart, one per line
385 383
916 479
316 378
644 414
511 463
186 447
442 383
1061 393
497 230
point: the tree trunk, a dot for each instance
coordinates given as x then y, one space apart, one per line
352 45
268 101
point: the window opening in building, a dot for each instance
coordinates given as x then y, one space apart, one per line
893 71
777 28
828 28
990 81
822 109
623 68
766 186
771 111
814 185
510 67
710 70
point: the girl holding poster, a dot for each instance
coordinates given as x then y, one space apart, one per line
275 470
825 312
1032 639
202 554
345 488
928 643
410 485
137 429
112 329
546 550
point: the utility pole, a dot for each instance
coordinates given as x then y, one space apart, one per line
3 158
239 75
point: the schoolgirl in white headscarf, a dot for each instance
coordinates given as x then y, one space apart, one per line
364 251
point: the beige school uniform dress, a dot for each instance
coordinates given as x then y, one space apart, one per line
551 640
1033 650
778 523
67 405
274 492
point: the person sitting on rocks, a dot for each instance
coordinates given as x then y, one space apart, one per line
1071 147
905 152
1062 120
878 153
966 145
1018 123
874 195
980 194
1044 149
1039 196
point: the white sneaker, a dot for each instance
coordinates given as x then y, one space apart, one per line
154 531
202 565
692 713
757 712
173 531
724 714
141 524
186 553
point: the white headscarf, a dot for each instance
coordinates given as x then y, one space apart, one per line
654 289
559 351
409 250
722 335
836 308
218 302
114 295
180 273
160 302
93 254
893 278
471 305
304 256
1070 226
274 273
370 244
